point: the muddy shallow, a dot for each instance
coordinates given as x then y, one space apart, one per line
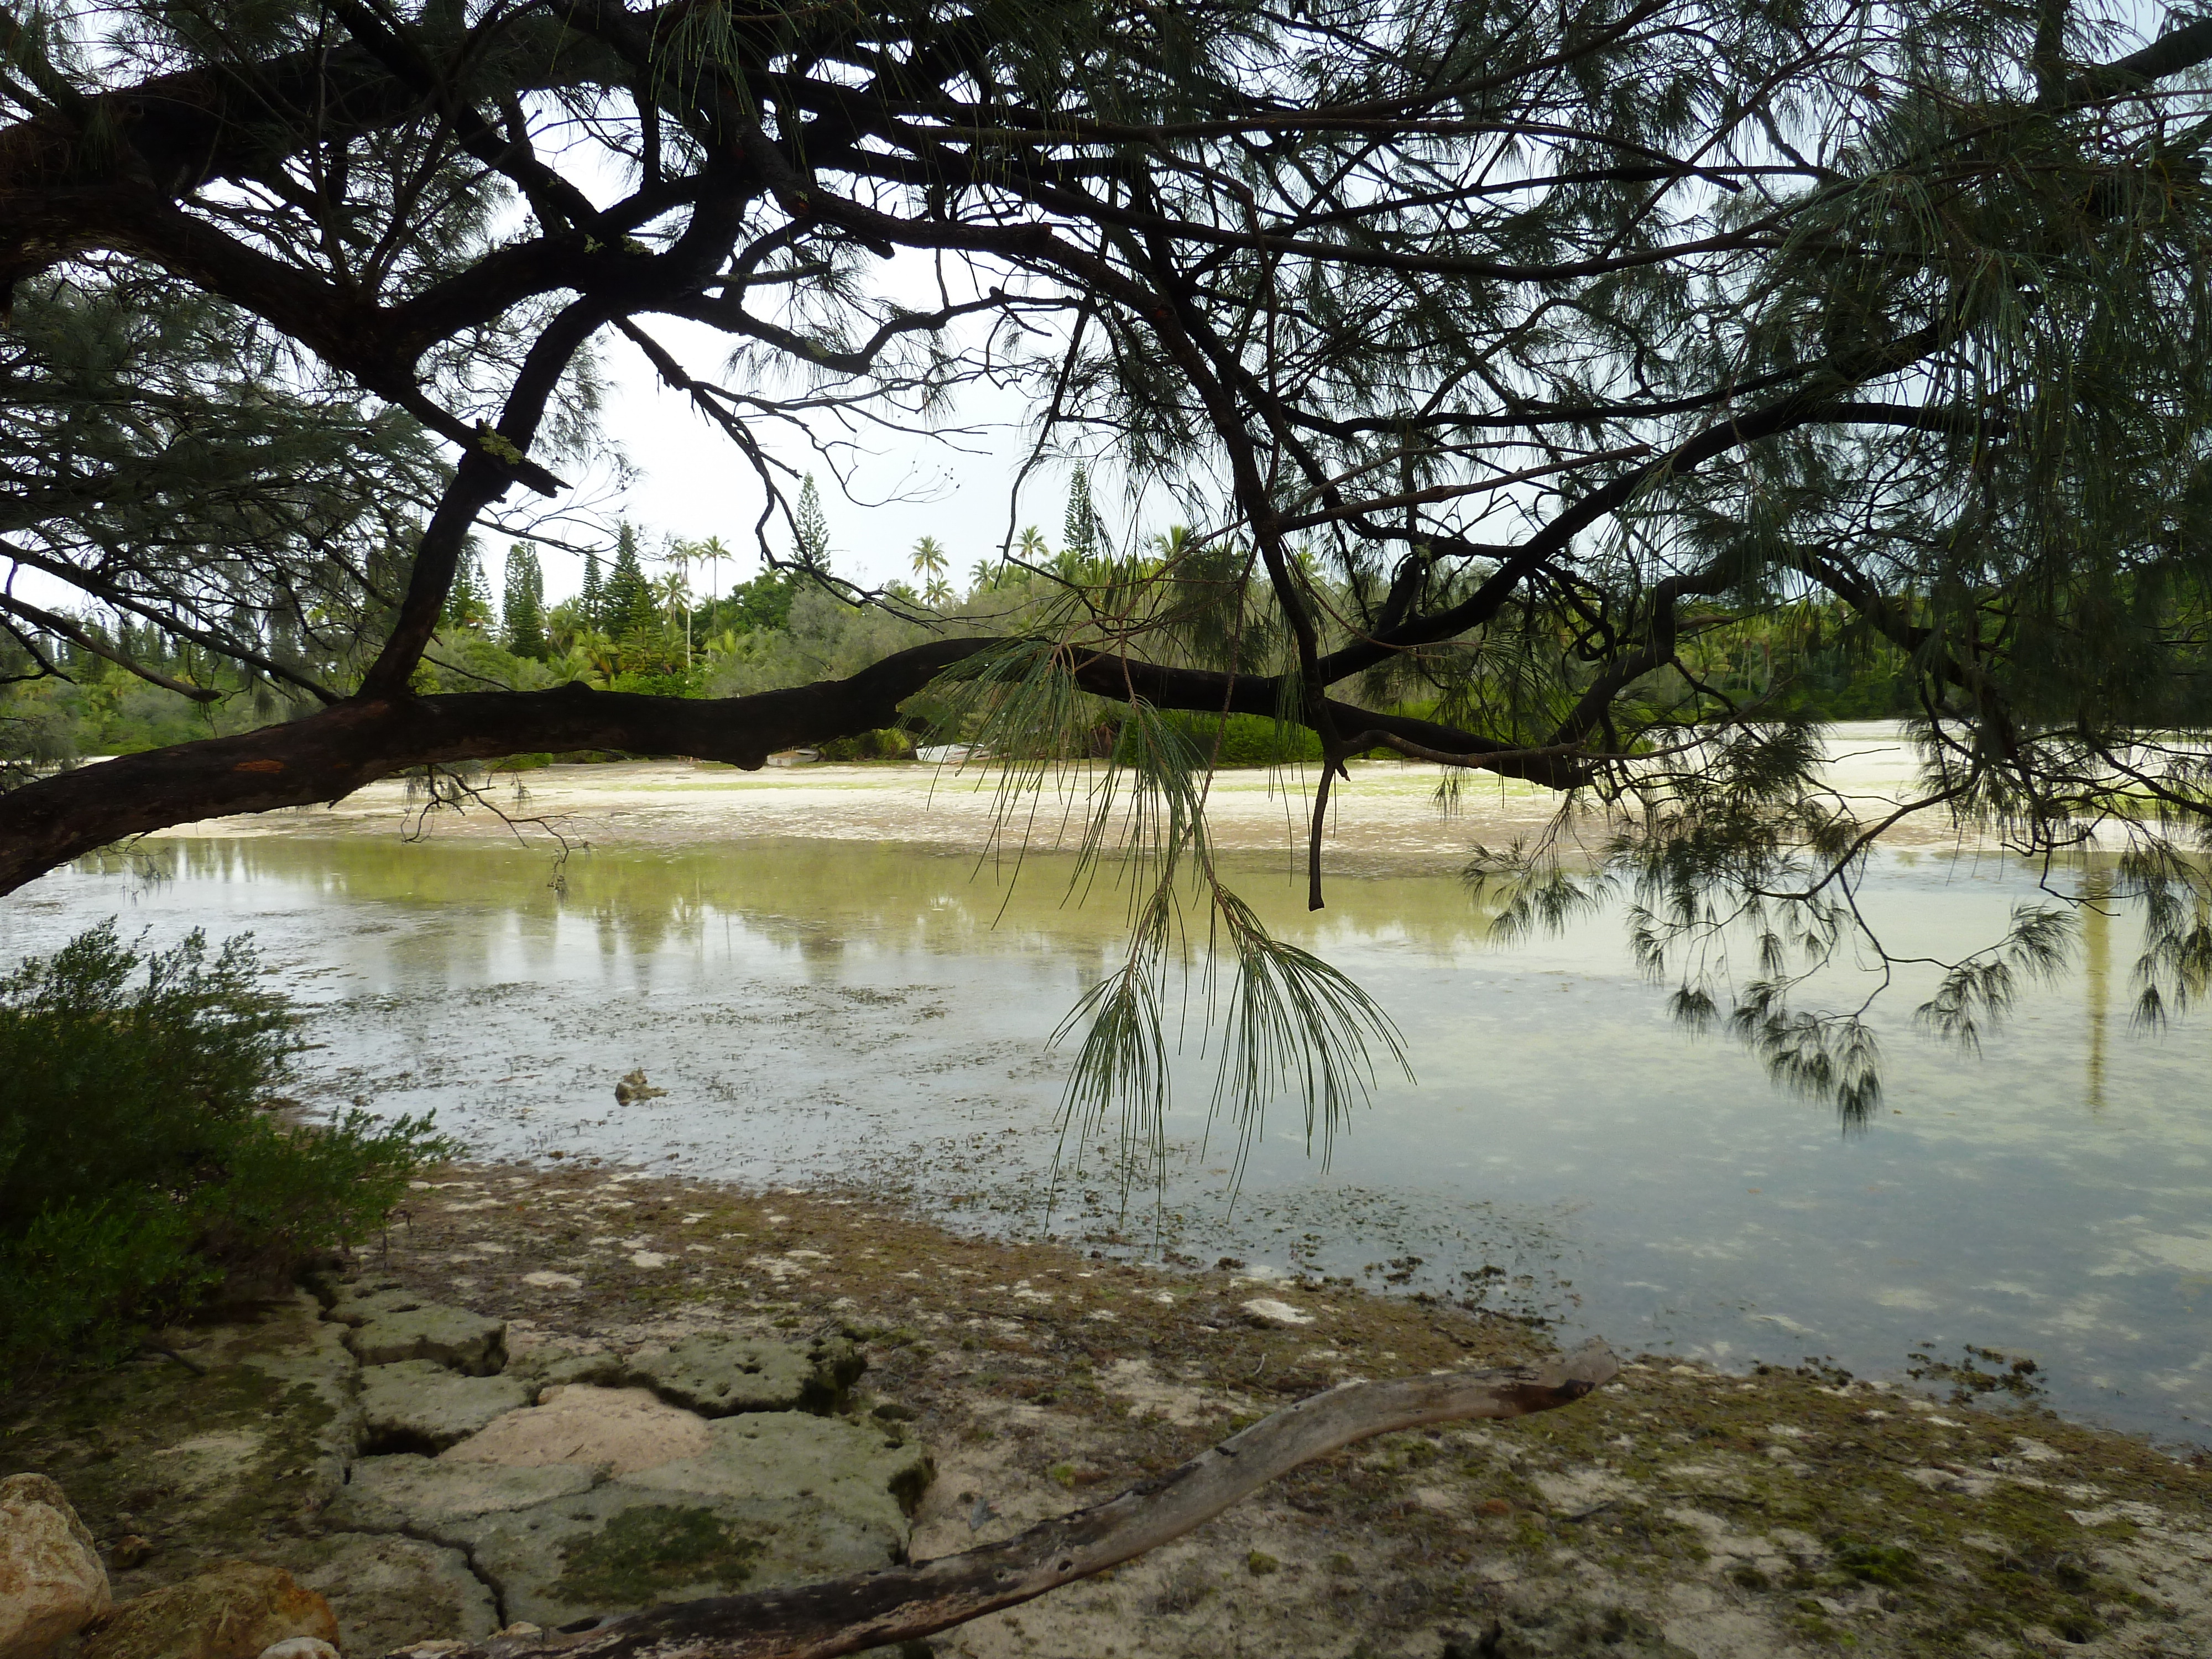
831 987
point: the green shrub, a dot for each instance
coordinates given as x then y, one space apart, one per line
1249 740
890 744
143 1170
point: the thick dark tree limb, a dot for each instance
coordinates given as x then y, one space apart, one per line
819 1621
327 755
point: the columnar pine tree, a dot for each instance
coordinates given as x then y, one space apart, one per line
809 529
522 602
1080 538
631 613
591 602
468 604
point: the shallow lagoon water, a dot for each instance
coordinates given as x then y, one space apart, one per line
824 1011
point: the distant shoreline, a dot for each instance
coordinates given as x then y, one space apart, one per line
1386 818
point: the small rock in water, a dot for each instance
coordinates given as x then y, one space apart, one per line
634 1087
51 1583
1266 1310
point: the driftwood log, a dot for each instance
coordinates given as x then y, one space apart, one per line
876 1609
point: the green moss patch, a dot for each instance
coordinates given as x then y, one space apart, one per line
643 1554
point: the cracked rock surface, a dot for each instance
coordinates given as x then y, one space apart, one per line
418 1404
389 1493
390 1590
381 1332
718 1375
380 1448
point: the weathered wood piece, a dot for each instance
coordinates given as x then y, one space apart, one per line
819 1621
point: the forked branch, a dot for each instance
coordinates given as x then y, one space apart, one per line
845 1615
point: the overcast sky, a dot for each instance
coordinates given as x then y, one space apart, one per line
691 482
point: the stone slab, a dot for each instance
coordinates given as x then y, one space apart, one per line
720 1376
350 1301
826 1460
543 1370
386 1592
408 1491
617 1429
199 1461
775 1498
467 1342
418 1404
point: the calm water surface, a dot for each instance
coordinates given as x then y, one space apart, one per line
829 1010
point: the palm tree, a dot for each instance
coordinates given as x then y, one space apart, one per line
930 563
1032 547
714 553
674 592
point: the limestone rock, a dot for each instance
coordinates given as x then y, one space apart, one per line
350 1301
234 1612
387 1494
774 1498
542 1372
300 1647
720 1376
616 1429
260 1437
822 1461
52 1583
417 1405
386 1590
387 1334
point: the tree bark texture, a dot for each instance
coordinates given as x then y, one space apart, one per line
845 1615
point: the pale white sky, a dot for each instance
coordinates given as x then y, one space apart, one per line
693 482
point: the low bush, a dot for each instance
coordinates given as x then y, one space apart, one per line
145 1167
1249 739
890 744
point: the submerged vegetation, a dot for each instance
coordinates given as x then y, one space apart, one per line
147 1169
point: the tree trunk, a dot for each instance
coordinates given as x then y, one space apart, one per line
845 1615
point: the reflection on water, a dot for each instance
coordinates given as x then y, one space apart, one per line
827 1010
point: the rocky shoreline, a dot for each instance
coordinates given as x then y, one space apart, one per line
552 1391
